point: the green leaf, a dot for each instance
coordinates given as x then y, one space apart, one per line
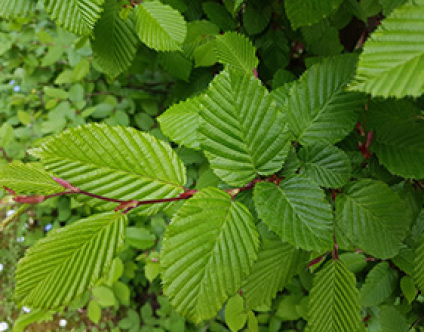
77 16
241 129
256 17
140 238
55 93
63 265
176 64
297 211
160 26
204 55
116 162
334 300
115 42
392 62
392 320
308 12
36 315
180 122
151 270
235 315
236 50
116 270
373 216
28 178
81 70
122 292
252 322
94 311
219 15
325 164
407 285
319 108
209 246
322 39
16 8
104 296
389 5
399 148
419 264
380 283
276 264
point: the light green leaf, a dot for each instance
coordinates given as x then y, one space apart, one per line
122 292
209 246
104 296
276 264
77 16
160 26
325 164
419 264
81 70
241 129
392 63
297 211
116 162
140 238
235 315
94 311
180 122
63 265
115 42
236 50
308 12
374 217
380 283
334 300
36 315
319 108
116 270
16 8
205 55
28 178
252 322
399 148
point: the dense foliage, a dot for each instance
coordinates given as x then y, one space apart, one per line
274 181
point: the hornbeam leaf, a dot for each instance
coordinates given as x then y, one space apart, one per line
334 300
77 16
380 283
391 320
116 162
28 178
319 108
241 129
392 63
115 42
399 148
308 12
63 265
180 122
209 246
297 211
374 217
237 51
16 8
160 26
326 164
276 264
419 264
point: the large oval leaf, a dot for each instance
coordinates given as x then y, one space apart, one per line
68 261
116 162
209 246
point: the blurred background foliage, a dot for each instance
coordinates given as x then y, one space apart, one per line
50 81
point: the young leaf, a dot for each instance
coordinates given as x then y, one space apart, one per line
276 264
209 246
235 315
16 8
297 211
94 311
30 178
308 12
180 122
77 16
373 216
392 63
236 50
115 162
36 315
319 108
62 266
334 300
160 26
241 129
380 283
325 164
114 43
